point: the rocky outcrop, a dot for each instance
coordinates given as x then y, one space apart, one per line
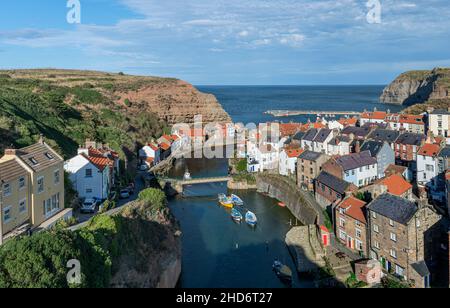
418 87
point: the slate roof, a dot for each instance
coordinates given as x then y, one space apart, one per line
357 131
333 182
39 156
445 152
411 139
299 135
384 135
398 209
310 134
322 135
374 147
310 155
421 268
440 111
355 160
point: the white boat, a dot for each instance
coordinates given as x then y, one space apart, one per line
236 200
187 175
250 218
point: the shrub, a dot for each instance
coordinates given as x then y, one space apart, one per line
242 166
154 198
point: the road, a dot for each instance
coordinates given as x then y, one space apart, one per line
139 186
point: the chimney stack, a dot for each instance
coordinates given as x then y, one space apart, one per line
41 139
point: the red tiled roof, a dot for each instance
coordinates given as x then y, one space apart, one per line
288 129
150 159
294 152
429 150
153 147
376 115
175 137
354 208
164 146
396 184
411 119
99 161
348 122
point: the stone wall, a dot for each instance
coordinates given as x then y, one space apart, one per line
282 189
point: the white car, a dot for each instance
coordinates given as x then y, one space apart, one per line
88 206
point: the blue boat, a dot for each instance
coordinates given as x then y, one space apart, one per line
250 218
236 215
236 200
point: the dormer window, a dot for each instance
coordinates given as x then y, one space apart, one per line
49 156
33 161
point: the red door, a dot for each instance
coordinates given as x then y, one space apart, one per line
325 240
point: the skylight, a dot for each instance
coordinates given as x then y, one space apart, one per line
49 155
33 161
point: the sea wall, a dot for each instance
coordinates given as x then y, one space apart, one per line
240 185
284 190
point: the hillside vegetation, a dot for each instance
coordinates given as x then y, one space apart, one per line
69 106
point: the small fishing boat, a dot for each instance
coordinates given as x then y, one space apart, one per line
281 204
187 175
236 215
250 218
236 200
225 201
283 271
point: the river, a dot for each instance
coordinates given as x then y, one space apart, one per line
220 253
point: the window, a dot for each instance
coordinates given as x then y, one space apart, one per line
88 173
56 177
359 245
391 222
21 182
377 245
33 161
342 222
89 190
49 156
393 237
358 233
342 235
55 202
7 215
6 189
360 182
375 228
23 206
429 168
347 173
40 184
399 271
393 253
374 215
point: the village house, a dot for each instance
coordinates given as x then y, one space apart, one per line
321 140
406 123
309 166
404 237
330 190
31 190
90 174
308 139
400 170
428 167
385 135
351 225
354 132
406 147
394 184
288 161
289 129
357 168
339 145
150 154
368 271
373 117
439 122
382 152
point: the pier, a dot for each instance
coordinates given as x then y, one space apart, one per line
288 113
178 184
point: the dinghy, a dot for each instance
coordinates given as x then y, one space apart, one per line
250 218
236 215
236 200
225 201
283 271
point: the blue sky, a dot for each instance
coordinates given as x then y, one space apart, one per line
230 41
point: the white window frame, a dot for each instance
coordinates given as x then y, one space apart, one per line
376 229
7 209
39 191
341 222
57 179
342 235
7 191
374 215
358 233
21 187
23 201
391 223
377 244
393 253
393 237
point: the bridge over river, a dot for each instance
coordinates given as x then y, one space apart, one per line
178 184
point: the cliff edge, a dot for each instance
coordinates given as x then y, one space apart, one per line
416 87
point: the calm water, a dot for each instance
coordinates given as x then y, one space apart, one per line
247 104
216 251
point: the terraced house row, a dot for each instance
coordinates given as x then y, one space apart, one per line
31 190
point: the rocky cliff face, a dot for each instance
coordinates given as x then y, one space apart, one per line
418 87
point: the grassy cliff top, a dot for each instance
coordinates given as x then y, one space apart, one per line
442 75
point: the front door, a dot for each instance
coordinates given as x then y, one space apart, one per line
350 242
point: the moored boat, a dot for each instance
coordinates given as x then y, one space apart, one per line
283 271
225 201
236 200
236 215
281 204
250 218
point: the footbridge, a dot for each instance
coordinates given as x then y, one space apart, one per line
179 184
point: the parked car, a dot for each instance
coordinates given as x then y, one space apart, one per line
131 188
89 206
143 167
124 194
